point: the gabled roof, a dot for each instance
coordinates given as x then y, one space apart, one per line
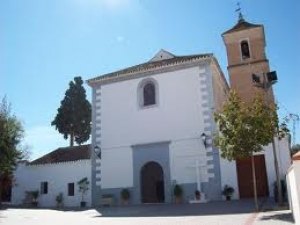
66 154
242 25
167 60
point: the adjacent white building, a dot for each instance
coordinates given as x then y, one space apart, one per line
52 174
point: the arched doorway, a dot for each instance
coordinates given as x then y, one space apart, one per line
152 183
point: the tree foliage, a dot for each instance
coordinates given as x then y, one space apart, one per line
73 117
11 134
244 129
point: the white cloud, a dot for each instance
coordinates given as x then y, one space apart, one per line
114 4
42 140
111 6
120 39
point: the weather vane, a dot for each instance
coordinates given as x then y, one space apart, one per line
239 10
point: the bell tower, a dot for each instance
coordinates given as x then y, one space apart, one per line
245 45
249 73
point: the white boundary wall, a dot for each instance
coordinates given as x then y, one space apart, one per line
293 185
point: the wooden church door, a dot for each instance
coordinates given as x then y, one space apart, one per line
245 181
152 183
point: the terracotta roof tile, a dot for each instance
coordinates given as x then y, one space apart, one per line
296 156
66 154
151 65
241 25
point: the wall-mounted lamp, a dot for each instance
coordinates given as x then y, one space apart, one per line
204 139
97 151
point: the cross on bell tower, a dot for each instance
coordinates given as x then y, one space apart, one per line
239 10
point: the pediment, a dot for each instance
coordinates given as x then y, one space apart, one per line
161 55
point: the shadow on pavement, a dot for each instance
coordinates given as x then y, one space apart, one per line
173 210
287 217
63 209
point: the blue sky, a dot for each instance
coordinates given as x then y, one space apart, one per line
44 44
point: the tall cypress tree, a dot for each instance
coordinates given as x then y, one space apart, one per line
73 117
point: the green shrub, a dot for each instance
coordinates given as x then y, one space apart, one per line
125 194
59 198
178 190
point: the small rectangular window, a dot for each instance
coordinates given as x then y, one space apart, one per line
71 189
44 188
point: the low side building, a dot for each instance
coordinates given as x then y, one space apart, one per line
52 174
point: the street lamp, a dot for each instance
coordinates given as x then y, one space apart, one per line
97 151
204 139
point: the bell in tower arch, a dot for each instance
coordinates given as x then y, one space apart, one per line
245 49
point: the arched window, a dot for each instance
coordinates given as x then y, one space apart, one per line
149 94
245 49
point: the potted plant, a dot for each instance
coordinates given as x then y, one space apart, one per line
125 195
83 188
59 200
178 193
34 200
198 195
227 192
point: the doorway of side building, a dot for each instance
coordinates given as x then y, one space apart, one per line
152 183
245 181
6 185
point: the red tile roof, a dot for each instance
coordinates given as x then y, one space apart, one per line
151 65
241 25
66 154
296 156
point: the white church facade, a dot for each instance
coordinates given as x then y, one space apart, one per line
150 122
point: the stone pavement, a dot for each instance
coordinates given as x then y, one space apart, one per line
213 213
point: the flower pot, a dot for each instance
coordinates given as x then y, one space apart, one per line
178 200
125 201
34 203
228 198
59 205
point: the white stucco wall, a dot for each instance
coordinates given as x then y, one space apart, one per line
29 178
179 101
229 176
117 167
176 117
284 161
293 182
184 154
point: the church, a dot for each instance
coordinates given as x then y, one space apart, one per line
153 125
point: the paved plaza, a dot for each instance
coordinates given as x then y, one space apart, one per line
214 213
